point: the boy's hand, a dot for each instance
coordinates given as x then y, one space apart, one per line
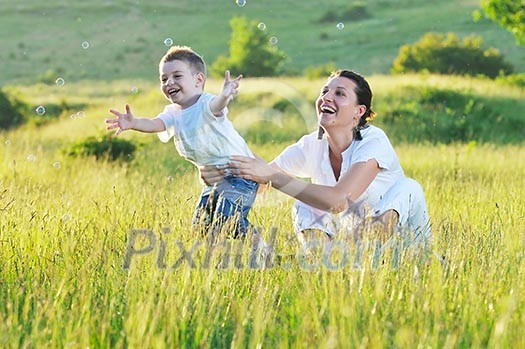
229 88
122 122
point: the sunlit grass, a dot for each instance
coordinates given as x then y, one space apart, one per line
65 222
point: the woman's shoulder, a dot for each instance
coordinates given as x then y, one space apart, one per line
373 135
373 131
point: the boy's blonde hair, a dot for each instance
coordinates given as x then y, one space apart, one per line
187 55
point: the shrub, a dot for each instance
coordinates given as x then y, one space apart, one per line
50 76
52 112
320 71
12 110
355 12
447 54
103 147
514 79
434 115
251 53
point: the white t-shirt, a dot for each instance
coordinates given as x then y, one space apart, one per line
200 136
309 158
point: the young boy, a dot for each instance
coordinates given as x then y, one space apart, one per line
202 134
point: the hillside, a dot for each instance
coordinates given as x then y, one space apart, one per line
44 40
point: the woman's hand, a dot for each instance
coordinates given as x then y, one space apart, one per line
254 169
211 174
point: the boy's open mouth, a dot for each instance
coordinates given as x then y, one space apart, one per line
173 91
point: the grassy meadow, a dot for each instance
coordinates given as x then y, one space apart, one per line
65 223
67 278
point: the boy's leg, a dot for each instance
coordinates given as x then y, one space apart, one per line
235 199
203 216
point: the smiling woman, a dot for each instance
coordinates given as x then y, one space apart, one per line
357 183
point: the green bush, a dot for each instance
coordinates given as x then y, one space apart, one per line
355 12
49 77
12 111
447 54
320 71
514 79
105 147
426 114
52 112
251 52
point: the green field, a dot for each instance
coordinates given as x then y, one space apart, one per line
65 222
126 38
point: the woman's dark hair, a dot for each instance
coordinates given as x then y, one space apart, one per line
364 97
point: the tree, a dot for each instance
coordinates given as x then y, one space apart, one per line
251 52
510 14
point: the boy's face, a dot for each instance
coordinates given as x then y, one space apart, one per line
179 84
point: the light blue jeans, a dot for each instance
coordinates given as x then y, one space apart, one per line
229 201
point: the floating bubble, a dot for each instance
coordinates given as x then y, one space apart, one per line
40 110
240 3
81 114
168 41
170 178
340 25
73 116
7 142
134 90
60 82
56 165
31 158
66 217
273 40
261 26
85 45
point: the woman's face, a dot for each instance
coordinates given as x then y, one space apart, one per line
337 104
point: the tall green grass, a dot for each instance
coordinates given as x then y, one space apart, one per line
65 223
63 235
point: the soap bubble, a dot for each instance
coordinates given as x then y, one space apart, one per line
66 217
60 82
7 142
56 165
81 114
40 110
85 45
134 90
261 26
31 158
168 41
340 25
273 40
170 178
240 3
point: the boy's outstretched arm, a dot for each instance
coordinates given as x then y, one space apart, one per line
229 90
126 121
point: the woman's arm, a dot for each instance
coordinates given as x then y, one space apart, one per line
211 174
329 198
